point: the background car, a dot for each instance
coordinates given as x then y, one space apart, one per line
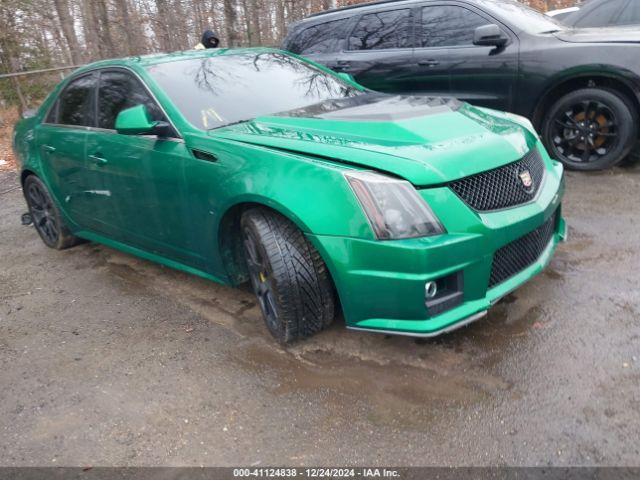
602 13
581 88
561 13
241 165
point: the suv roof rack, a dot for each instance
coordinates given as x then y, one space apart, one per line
350 7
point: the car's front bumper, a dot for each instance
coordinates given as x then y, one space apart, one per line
381 284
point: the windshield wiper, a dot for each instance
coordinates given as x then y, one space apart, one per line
551 31
229 124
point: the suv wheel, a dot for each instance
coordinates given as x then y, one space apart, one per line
288 276
590 129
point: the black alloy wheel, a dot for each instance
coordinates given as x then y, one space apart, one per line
290 280
261 281
590 129
45 215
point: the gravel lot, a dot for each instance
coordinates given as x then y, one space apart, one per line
110 360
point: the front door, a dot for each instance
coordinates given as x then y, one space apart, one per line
483 76
140 177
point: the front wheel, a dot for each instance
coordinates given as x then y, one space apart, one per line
590 129
288 276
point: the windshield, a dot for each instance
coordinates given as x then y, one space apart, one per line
525 18
219 90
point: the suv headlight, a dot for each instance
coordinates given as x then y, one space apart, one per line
394 208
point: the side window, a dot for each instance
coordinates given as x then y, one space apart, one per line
318 38
382 30
630 15
118 91
76 105
600 15
52 116
448 25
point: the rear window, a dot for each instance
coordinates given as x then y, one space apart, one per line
319 38
76 104
382 30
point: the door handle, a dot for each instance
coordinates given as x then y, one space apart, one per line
98 160
428 63
48 148
342 65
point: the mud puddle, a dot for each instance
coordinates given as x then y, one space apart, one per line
406 380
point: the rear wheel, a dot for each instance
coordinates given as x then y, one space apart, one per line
288 276
46 216
590 129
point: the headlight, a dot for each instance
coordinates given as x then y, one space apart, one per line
393 207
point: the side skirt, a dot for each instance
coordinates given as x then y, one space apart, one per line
123 247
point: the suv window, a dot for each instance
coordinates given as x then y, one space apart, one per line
448 25
381 30
118 91
76 106
630 15
317 38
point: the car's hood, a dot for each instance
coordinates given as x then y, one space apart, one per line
601 35
424 140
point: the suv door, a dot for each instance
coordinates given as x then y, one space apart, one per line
378 51
140 178
480 75
61 139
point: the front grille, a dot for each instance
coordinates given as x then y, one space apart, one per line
521 253
502 187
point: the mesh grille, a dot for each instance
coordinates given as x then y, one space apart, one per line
502 187
521 253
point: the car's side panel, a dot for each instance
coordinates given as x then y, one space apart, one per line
299 188
565 61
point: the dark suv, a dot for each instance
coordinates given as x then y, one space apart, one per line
580 88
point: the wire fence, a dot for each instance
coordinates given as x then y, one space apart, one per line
27 89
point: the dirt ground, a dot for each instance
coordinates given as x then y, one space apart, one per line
106 359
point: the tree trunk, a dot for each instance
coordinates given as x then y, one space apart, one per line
255 17
127 26
68 30
105 29
230 24
280 21
91 32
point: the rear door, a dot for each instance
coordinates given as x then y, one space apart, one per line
484 76
62 142
378 51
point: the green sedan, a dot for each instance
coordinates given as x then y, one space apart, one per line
410 215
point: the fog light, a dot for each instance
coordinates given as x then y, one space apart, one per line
430 289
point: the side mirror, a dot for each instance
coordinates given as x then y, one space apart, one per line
137 121
489 36
347 76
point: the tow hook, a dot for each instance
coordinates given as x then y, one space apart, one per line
26 219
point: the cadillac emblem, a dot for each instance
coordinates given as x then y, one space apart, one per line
527 181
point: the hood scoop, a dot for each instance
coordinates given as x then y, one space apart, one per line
375 107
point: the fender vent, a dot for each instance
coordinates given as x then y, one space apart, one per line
206 156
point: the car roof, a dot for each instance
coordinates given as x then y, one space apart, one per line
158 58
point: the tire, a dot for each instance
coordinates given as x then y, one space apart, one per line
590 129
46 216
292 283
